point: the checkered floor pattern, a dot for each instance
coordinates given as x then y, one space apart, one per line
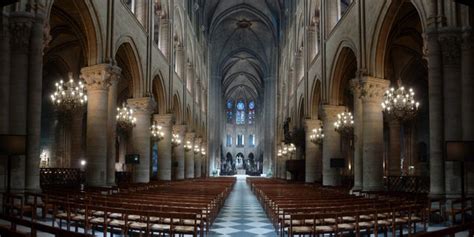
242 215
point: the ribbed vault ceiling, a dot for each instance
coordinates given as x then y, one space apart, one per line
243 34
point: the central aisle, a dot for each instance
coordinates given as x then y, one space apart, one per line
242 214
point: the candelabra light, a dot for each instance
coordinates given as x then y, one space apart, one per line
344 124
188 146
280 153
69 96
125 118
317 136
291 148
400 104
175 140
203 151
156 132
197 149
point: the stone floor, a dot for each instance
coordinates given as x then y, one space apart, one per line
242 215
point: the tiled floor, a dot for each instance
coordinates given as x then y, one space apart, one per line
242 215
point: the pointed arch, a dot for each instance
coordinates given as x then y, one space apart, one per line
315 98
344 68
177 108
128 60
159 93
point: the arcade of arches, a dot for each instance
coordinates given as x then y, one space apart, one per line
238 87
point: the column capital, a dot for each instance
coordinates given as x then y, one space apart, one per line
100 76
197 140
373 89
20 31
331 111
356 87
311 124
451 48
189 136
165 120
143 104
180 129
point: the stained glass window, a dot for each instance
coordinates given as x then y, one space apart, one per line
230 111
251 112
240 114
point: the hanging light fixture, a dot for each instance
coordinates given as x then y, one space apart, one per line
400 104
125 118
156 132
344 124
69 96
279 153
203 151
317 136
188 146
175 139
197 149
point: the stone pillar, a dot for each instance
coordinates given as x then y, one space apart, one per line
394 149
178 151
373 90
180 61
451 56
197 158
112 126
77 153
358 117
20 26
203 161
312 42
331 144
189 81
299 68
35 88
435 90
313 153
467 103
164 146
164 43
4 75
142 107
189 156
97 80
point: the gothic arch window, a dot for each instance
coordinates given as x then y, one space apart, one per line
240 112
229 111
251 114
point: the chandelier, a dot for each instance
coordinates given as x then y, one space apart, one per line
203 151
400 104
156 132
317 136
197 149
291 148
344 124
125 118
175 139
69 96
280 153
188 146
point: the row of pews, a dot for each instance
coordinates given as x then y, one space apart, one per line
154 209
302 209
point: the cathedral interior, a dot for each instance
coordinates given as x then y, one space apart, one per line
236 118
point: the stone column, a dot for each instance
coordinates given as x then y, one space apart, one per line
189 156
142 107
4 75
164 146
20 29
299 68
112 125
313 153
358 116
312 42
77 153
435 89
203 160
178 151
394 149
197 158
331 144
373 90
97 80
164 43
180 61
467 103
452 89
189 81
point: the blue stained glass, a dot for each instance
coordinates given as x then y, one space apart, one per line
240 105
229 104
251 105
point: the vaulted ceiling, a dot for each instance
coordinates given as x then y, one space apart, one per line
243 36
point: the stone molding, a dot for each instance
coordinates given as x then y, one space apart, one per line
20 31
373 89
142 105
100 76
189 136
180 129
310 124
355 87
